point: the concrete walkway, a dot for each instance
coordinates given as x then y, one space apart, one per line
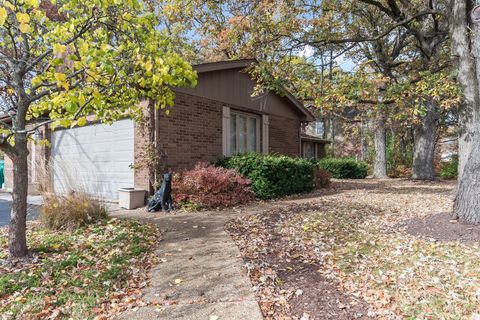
201 274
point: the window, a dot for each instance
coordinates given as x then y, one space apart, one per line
319 128
244 133
309 150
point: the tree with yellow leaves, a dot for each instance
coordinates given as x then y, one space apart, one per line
64 60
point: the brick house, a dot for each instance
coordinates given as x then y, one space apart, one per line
217 118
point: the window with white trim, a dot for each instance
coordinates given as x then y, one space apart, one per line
244 133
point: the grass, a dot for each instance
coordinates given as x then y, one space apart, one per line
74 273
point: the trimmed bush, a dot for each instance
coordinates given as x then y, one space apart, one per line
344 168
206 186
322 179
449 170
71 211
273 176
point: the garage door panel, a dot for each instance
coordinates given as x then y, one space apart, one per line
96 159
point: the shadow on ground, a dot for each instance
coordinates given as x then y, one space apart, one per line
441 227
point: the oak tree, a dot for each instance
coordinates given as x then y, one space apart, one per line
465 35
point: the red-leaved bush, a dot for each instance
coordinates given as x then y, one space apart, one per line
211 187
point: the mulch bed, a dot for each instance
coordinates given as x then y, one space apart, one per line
286 274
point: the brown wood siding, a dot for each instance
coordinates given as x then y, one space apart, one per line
235 87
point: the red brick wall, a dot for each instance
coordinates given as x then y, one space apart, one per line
284 136
192 132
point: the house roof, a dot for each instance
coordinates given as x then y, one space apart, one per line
309 138
245 63
224 65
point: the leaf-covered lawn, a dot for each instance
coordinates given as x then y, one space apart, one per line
354 238
96 270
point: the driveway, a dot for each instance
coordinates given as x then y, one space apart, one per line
34 203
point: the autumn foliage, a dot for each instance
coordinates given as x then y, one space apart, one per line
211 187
71 211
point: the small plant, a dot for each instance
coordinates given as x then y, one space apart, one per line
399 155
344 168
449 170
274 176
71 211
189 206
322 179
153 157
66 211
207 186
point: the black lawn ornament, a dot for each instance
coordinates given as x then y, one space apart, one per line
162 199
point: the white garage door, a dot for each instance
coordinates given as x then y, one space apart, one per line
95 159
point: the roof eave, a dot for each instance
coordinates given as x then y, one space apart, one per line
309 138
224 65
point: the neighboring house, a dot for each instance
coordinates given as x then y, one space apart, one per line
217 118
313 140
345 133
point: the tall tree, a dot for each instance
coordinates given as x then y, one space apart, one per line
417 33
64 60
411 40
466 51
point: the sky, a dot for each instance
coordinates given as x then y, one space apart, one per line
343 62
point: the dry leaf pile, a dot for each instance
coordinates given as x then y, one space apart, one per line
345 256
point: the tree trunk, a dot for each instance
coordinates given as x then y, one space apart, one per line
467 202
466 50
466 64
17 242
380 137
425 136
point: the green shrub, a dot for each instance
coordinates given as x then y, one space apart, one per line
449 170
273 176
344 168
